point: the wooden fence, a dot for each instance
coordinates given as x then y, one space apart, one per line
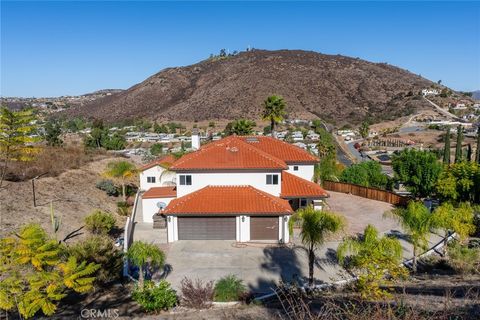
365 192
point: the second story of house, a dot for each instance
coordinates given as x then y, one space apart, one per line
255 161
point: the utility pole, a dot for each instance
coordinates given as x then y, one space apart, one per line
33 188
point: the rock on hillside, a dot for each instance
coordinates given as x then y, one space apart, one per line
333 87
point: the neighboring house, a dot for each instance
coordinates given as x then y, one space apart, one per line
430 92
237 188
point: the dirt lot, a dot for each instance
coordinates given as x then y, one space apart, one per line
72 194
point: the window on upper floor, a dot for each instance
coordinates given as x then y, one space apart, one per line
150 179
272 178
303 202
185 180
295 168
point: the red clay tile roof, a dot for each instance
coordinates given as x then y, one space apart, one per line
228 153
280 149
167 160
160 192
215 200
296 187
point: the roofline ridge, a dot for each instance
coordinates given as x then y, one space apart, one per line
261 152
290 146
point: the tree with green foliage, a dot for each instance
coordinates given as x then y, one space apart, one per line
367 174
418 222
460 182
144 255
17 129
241 127
315 226
477 157
274 110
327 169
121 171
75 124
458 147
418 170
53 130
469 152
364 129
37 273
375 259
458 220
446 149
100 137
156 149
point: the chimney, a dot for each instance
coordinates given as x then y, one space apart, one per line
195 139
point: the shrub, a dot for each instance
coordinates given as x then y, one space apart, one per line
463 259
155 297
108 187
100 250
229 288
99 222
196 294
123 208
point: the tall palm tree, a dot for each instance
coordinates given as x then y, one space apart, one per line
418 222
315 226
122 171
274 110
374 258
144 255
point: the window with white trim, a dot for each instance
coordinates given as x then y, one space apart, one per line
150 179
185 180
272 178
295 168
303 202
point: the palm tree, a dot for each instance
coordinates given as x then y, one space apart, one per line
274 110
145 255
418 222
373 257
122 171
315 226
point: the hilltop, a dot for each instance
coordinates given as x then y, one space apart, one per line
333 87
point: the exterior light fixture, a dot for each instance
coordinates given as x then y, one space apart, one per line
243 218
285 218
169 219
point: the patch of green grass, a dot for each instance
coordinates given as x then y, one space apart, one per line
229 288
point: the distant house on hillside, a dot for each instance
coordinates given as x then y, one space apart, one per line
430 92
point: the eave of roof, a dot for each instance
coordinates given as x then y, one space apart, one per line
228 200
165 161
160 192
296 187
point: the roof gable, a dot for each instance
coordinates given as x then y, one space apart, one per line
165 161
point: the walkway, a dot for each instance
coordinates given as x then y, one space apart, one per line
143 231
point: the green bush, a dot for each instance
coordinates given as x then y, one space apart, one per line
229 288
100 250
108 187
463 259
123 208
155 297
99 222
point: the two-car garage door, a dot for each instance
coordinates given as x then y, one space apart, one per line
224 228
206 228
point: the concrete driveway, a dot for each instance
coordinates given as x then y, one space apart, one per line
260 266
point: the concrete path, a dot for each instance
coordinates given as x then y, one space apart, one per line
143 231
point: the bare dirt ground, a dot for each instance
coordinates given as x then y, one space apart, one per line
72 194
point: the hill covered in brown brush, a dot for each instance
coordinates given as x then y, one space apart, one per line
335 88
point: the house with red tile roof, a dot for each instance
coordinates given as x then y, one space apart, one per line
236 188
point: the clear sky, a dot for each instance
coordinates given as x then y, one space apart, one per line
65 48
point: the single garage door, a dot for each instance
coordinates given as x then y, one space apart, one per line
263 228
206 228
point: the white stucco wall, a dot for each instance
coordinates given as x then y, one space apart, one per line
162 178
305 171
150 207
255 179
283 235
243 228
172 228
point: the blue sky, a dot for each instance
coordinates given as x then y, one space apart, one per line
65 48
